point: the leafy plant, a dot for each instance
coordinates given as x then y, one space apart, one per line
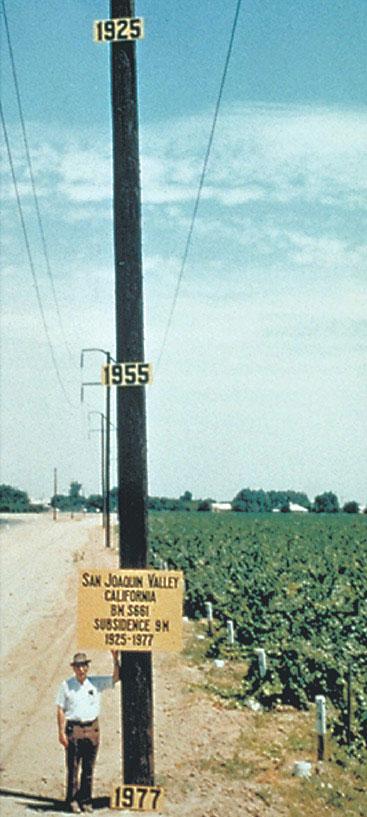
295 586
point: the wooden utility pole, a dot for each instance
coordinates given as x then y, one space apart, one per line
54 512
108 458
106 494
136 688
103 475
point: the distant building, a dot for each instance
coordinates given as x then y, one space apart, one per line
294 507
221 506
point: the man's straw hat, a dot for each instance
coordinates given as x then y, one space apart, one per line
79 658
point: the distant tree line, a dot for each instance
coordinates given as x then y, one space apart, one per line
75 501
258 501
163 503
248 500
12 500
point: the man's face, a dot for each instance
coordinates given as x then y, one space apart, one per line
81 671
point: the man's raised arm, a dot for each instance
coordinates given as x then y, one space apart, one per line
116 667
61 722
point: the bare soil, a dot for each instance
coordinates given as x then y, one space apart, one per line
197 740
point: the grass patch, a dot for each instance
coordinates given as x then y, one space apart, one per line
195 649
267 748
236 766
222 682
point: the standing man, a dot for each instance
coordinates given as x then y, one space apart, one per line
78 708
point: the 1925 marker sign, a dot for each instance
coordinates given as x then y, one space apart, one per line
133 610
118 29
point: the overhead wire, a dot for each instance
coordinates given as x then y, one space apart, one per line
38 213
32 178
201 184
30 259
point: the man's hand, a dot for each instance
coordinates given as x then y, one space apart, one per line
63 740
116 666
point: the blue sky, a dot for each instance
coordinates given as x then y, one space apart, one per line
262 382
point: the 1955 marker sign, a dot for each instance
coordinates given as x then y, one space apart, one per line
127 374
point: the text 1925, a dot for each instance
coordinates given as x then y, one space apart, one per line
143 640
118 30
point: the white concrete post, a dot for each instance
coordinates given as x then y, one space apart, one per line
320 725
230 632
209 615
261 657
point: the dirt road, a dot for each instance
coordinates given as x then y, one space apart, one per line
194 737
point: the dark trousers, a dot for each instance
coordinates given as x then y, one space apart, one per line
82 751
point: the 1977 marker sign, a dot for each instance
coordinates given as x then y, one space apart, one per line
135 610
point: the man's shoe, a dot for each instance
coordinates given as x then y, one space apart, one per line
75 808
88 808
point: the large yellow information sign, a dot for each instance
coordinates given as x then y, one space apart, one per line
136 610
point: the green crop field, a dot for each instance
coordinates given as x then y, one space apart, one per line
294 585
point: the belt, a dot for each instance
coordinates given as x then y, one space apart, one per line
81 723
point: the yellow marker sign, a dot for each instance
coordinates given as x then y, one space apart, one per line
135 610
127 374
118 29
137 798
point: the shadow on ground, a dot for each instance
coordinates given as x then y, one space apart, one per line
36 802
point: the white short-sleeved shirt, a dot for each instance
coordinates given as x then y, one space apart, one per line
81 702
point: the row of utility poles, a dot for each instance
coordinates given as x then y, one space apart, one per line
105 431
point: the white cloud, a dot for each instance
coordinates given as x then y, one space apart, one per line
85 176
328 253
260 153
272 324
277 153
266 335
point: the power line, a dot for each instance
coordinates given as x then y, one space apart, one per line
201 183
33 184
30 259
